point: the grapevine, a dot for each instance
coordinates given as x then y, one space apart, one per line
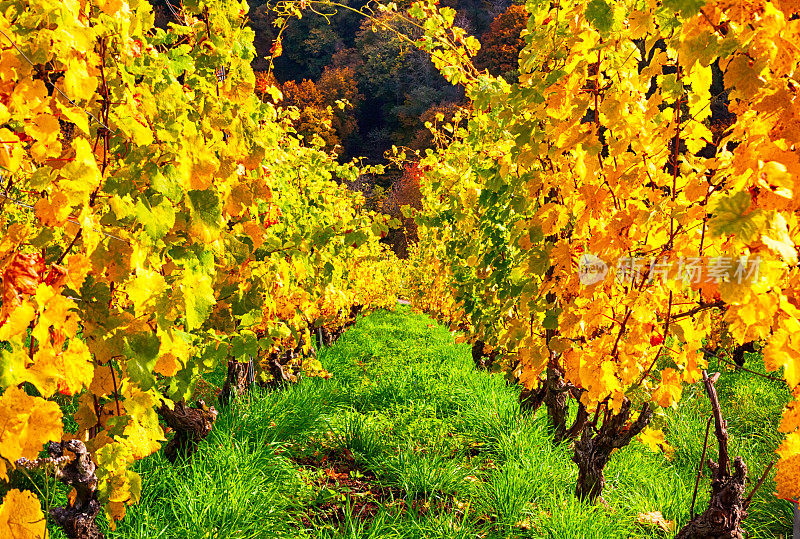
158 220
643 143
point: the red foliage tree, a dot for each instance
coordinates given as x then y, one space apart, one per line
500 46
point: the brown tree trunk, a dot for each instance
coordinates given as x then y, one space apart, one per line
77 519
593 450
275 364
240 377
556 400
191 425
531 399
477 355
728 506
554 392
480 358
726 510
330 336
355 310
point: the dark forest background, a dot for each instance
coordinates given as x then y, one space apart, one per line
360 89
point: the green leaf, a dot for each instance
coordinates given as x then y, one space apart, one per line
687 8
214 354
600 15
551 318
179 60
732 217
142 351
157 220
244 345
165 180
198 295
205 208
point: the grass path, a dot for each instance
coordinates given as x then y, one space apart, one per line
408 440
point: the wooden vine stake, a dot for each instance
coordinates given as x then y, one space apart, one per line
796 519
728 505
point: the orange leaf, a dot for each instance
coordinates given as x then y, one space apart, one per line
21 516
26 423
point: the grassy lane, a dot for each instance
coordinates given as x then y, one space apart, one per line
408 440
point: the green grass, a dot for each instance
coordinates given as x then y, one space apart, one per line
408 440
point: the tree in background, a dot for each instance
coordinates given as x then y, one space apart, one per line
405 192
261 21
338 85
326 108
501 45
400 83
435 115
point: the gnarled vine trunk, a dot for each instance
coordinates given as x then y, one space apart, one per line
728 505
275 363
727 508
482 360
593 449
191 425
556 400
77 518
239 378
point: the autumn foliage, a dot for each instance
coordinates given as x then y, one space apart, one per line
326 107
501 45
156 223
601 219
404 197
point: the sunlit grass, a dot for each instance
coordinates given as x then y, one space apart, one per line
439 450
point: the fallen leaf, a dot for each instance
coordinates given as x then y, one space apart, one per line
655 518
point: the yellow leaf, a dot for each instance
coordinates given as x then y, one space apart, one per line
15 234
255 232
81 176
66 371
112 7
78 267
167 365
699 99
115 512
43 150
11 151
26 424
54 210
143 441
744 76
670 389
778 240
203 167
654 439
787 478
241 197
44 128
144 288
140 403
103 382
18 322
28 95
783 350
78 85
85 415
655 518
74 115
21 516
